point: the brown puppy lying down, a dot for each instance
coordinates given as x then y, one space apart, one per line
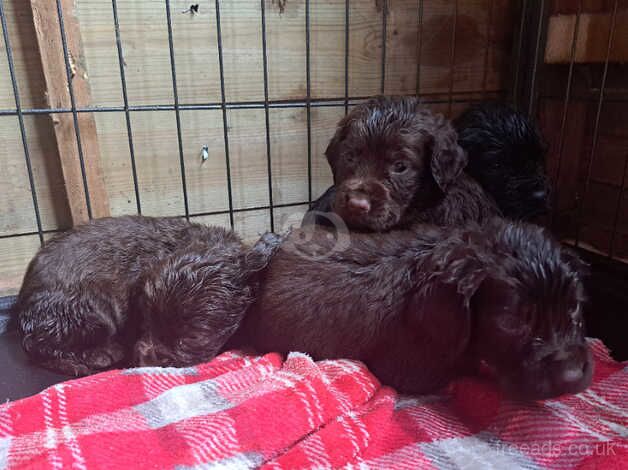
420 308
395 163
77 311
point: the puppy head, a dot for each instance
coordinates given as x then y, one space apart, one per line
390 158
528 316
191 303
507 157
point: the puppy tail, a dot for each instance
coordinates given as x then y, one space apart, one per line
259 255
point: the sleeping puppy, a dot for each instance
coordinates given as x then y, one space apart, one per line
191 302
422 307
507 157
396 163
73 311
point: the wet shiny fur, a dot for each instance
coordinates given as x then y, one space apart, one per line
507 157
396 163
422 307
77 310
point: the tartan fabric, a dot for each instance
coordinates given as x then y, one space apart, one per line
242 411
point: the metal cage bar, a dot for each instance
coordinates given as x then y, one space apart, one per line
223 107
267 118
596 128
288 103
540 36
518 47
487 46
528 54
308 109
611 250
20 118
177 112
563 122
125 98
382 87
77 130
419 46
347 18
452 60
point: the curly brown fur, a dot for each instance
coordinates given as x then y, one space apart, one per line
73 308
193 301
395 163
420 307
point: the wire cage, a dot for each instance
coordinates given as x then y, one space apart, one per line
561 62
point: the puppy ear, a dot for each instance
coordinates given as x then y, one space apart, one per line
448 159
342 131
457 265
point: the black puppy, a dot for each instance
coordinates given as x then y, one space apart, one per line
507 157
421 307
74 311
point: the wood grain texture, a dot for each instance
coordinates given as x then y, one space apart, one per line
144 41
48 37
591 38
15 254
17 214
605 202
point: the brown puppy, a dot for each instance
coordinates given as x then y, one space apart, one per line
420 308
191 302
73 310
396 163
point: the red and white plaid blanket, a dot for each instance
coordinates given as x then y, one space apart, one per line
242 411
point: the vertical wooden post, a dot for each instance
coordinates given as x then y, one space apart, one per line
53 63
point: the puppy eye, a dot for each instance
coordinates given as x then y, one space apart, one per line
399 167
350 158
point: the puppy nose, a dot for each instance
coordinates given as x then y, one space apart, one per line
573 374
358 204
540 194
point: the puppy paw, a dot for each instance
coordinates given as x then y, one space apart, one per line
104 357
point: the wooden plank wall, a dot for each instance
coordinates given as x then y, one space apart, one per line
143 30
598 216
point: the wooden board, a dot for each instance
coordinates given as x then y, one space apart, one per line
15 253
471 43
17 214
593 210
47 32
144 36
591 38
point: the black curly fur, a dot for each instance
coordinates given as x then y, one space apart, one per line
507 157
